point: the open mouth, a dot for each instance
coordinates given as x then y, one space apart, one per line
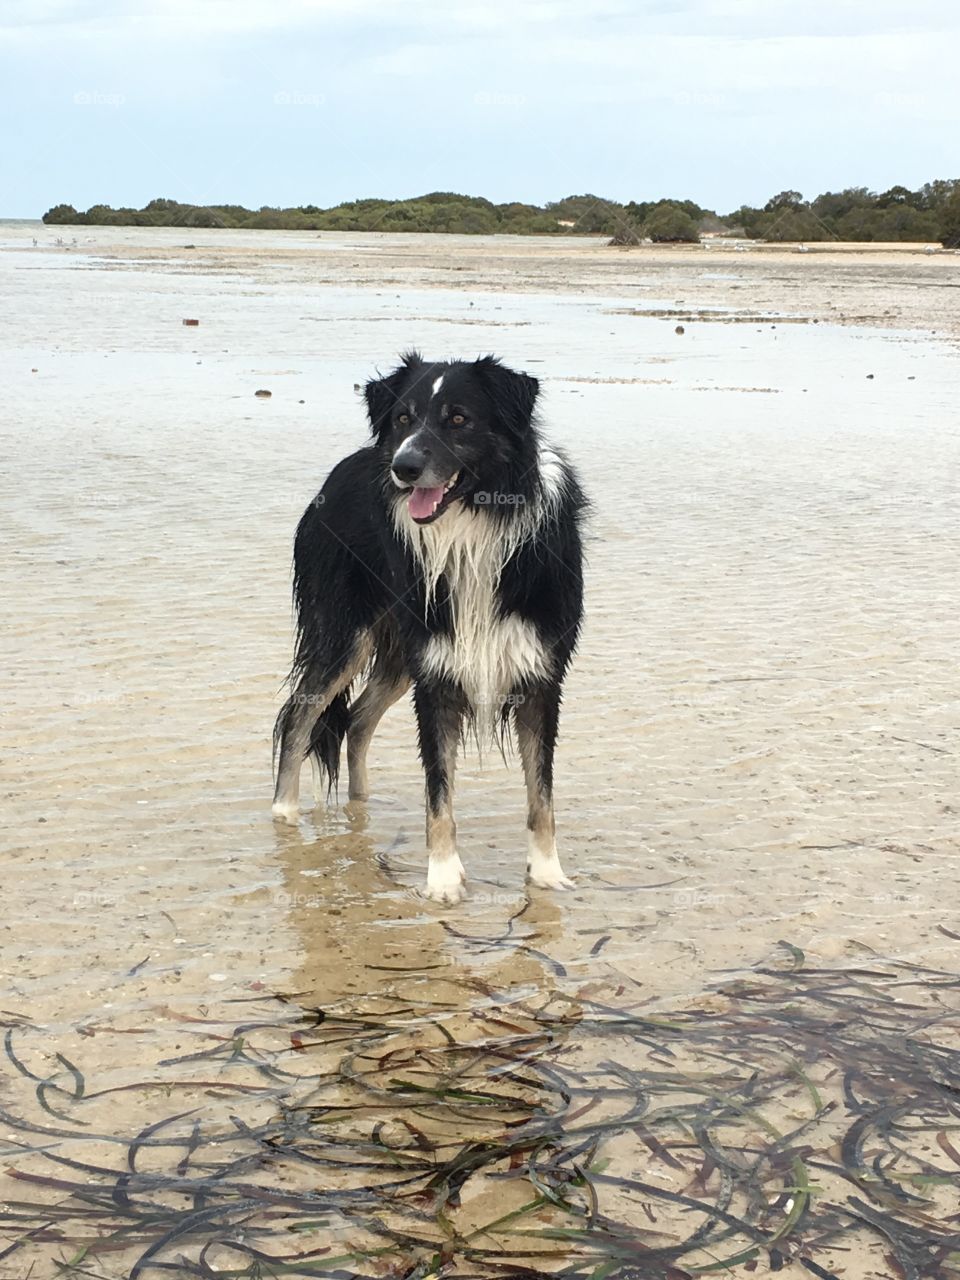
425 505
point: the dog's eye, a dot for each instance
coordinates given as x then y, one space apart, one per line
457 419
403 419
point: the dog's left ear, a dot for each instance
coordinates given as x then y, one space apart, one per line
381 393
514 395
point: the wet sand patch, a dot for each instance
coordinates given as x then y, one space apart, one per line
759 734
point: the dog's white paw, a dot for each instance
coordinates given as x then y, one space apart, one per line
284 811
547 873
445 880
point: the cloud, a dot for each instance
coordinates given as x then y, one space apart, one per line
185 18
282 101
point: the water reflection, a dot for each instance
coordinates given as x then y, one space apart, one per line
367 936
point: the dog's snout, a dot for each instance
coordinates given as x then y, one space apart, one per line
409 464
408 471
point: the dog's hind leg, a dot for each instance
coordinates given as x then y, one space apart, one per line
440 710
317 685
537 717
385 686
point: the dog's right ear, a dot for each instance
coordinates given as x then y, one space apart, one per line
514 395
381 393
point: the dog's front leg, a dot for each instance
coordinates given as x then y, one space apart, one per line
439 710
537 715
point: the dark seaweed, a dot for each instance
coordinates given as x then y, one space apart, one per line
793 1115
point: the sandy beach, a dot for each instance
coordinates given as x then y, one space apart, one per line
758 747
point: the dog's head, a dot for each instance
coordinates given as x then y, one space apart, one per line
445 428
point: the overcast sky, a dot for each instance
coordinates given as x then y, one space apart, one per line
285 102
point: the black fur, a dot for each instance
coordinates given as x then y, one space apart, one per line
359 592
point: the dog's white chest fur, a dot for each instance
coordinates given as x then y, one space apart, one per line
488 655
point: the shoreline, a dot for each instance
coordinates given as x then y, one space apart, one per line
877 285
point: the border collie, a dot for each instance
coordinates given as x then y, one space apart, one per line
446 555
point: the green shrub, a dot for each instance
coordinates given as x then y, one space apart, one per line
61 215
667 223
948 220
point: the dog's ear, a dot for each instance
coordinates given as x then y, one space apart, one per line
381 393
514 395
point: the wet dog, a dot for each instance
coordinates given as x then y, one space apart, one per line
446 556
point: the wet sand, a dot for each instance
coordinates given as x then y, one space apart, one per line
760 730
913 286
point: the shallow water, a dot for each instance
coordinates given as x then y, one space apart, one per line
759 734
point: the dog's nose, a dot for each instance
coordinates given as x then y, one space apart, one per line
409 463
408 471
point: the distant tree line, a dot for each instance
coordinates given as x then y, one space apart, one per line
931 213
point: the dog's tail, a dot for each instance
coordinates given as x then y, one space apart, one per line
327 739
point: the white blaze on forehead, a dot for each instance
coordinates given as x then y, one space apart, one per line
437 384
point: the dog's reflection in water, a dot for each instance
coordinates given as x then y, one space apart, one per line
367 935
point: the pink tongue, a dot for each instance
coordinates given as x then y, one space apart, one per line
424 502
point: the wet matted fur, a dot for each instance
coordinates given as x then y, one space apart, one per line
446 555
